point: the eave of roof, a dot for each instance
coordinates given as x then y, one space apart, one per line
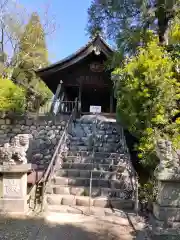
78 55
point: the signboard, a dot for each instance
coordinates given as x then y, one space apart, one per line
96 67
95 109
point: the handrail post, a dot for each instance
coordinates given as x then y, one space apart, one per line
90 192
42 200
136 196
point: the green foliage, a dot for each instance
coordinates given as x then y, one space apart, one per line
148 191
32 55
44 91
12 97
127 22
146 75
147 93
174 32
32 46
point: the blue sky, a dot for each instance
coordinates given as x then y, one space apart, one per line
71 19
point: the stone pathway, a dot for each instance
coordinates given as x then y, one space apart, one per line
67 227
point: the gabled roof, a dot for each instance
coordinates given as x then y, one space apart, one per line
96 44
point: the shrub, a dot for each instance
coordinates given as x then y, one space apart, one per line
12 97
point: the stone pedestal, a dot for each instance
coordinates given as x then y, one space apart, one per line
14 194
166 209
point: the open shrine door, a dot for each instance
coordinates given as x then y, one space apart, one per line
96 97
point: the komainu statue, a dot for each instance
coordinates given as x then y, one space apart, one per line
169 157
14 152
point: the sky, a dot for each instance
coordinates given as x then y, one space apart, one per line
70 18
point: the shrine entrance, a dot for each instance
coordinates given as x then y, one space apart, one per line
83 75
97 97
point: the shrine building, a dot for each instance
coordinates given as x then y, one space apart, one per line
83 75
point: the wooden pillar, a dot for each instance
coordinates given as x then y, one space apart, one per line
111 101
56 95
79 97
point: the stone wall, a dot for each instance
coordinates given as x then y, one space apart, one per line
1 186
46 131
166 210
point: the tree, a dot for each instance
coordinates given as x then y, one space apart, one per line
31 56
147 83
147 91
13 19
127 21
33 42
147 70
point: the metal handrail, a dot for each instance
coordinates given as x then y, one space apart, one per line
49 172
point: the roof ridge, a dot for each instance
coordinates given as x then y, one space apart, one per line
83 48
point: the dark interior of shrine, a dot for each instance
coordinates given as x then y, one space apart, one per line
91 95
95 96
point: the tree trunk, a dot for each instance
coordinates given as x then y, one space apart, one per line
163 33
164 14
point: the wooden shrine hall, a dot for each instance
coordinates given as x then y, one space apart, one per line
83 75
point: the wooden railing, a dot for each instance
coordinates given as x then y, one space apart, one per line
57 107
22 107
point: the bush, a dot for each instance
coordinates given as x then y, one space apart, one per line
12 97
147 91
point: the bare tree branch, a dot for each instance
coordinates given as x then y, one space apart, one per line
13 19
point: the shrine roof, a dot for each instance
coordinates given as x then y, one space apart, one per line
96 45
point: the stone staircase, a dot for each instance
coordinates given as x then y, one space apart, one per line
95 174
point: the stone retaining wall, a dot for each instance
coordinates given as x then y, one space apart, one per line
166 209
46 131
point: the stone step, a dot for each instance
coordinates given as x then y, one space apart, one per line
102 202
89 166
99 146
99 143
85 191
80 133
96 160
96 182
95 154
101 151
88 133
106 124
85 130
97 149
95 211
110 157
80 148
98 136
85 173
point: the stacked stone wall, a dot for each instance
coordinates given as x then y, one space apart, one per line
45 130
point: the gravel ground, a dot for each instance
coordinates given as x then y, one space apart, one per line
67 227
